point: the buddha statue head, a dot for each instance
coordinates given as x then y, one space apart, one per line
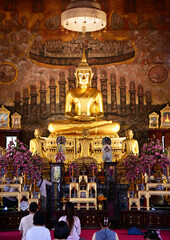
129 134
37 133
84 73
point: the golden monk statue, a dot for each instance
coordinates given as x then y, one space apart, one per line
37 144
84 108
129 145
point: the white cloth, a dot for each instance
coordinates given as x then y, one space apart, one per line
76 230
94 236
38 233
25 224
43 191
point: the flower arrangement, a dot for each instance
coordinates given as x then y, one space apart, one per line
152 154
132 167
20 158
60 156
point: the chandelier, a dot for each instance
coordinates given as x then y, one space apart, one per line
83 16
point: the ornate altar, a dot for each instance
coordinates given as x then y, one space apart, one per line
4 118
165 117
83 193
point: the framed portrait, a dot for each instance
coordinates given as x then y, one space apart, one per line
55 173
165 117
4 118
153 120
16 120
2 151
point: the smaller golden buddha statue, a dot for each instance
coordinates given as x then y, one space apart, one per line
85 145
37 144
129 145
84 108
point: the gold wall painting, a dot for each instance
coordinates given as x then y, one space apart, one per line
8 73
158 73
16 120
4 118
165 117
153 120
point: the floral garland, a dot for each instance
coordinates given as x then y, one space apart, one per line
132 167
19 157
152 154
60 157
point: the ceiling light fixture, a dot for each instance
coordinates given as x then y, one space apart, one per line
84 16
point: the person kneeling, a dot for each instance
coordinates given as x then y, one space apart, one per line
61 231
105 233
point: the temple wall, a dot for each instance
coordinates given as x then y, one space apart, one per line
130 59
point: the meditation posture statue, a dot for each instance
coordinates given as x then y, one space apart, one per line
129 145
84 108
37 144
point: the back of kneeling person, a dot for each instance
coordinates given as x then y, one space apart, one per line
61 231
38 231
105 233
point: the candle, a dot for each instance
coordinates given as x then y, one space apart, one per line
133 188
34 186
167 171
17 172
24 178
149 170
75 186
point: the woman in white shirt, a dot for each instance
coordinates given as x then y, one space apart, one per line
72 221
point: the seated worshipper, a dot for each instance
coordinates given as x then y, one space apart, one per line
43 192
38 231
72 221
105 233
151 235
61 231
10 202
27 221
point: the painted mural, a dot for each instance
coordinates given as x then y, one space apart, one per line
129 59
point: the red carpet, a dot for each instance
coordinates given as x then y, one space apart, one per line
87 234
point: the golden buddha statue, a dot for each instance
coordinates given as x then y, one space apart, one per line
84 108
129 145
85 145
37 144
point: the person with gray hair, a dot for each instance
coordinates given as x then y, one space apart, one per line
105 233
